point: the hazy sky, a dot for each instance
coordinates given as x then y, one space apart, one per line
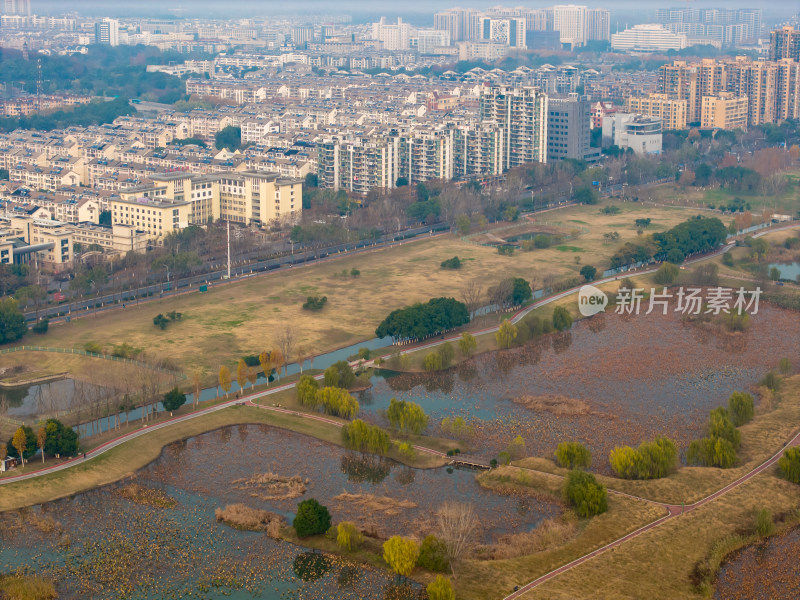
366 8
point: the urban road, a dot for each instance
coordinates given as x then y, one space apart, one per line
672 510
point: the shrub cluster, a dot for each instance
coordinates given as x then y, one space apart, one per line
573 455
364 437
585 494
651 460
451 263
315 302
718 448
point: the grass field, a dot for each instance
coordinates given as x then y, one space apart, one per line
246 317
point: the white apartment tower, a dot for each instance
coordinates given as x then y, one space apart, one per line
106 32
571 23
394 37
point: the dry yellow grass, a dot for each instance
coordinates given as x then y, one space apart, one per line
241 516
245 317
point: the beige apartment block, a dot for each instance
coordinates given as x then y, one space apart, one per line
724 111
671 112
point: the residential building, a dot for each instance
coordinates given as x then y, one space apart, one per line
784 43
17 7
647 38
598 24
393 37
571 23
431 41
724 111
521 114
671 112
509 32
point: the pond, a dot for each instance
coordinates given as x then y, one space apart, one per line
790 271
611 380
763 571
102 545
30 402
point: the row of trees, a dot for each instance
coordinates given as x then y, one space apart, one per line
423 320
53 438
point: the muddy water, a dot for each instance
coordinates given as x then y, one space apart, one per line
101 545
636 376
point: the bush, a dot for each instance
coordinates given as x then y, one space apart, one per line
667 274
432 362
585 494
348 536
355 272
315 302
364 437
440 589
41 326
789 464
573 455
771 381
542 241
562 320
764 523
312 518
451 263
740 408
727 259
651 460
433 555
711 452
160 321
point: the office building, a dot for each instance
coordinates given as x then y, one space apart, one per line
509 32
598 24
106 32
640 133
647 38
569 131
571 23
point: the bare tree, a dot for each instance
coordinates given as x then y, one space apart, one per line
501 295
286 344
458 530
472 293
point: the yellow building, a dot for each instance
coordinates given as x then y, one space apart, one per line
49 243
724 111
671 112
156 216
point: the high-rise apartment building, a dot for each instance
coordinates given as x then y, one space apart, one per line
521 114
598 24
672 112
303 34
571 23
728 26
510 32
106 32
784 43
724 111
17 7
394 37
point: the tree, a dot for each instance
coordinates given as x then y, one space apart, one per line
312 518
348 536
740 408
432 362
789 464
585 494
225 379
364 437
424 320
463 224
785 366
12 322
337 402
406 416
506 334
562 320
516 449
472 294
433 555
286 344
458 530
160 321
588 272
340 374
721 426
265 360
467 344
229 138
651 460
667 274
447 354
306 389
173 400
61 440
41 327
41 438
401 554
241 373
20 443
585 195
573 455
440 589
3 451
